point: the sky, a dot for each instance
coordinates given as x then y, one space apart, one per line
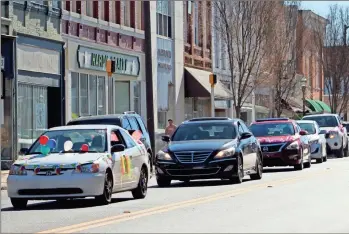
322 7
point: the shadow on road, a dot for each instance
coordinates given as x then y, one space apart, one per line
278 169
197 183
70 204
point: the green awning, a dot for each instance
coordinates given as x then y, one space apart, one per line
314 106
324 106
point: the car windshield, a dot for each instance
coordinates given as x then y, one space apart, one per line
272 129
94 138
324 121
204 131
309 127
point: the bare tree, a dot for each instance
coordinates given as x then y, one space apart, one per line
244 27
282 54
335 60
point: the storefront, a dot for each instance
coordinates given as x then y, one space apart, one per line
165 88
89 89
7 101
40 89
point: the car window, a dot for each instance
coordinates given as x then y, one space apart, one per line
116 138
126 124
140 122
324 121
346 126
240 129
244 127
204 131
309 127
130 143
134 124
273 129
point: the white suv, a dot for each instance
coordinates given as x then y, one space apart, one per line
335 133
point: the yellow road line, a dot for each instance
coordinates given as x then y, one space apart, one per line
165 208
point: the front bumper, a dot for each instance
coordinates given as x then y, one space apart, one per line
224 169
283 158
54 187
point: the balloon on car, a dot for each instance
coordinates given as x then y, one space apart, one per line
45 150
51 143
68 145
43 140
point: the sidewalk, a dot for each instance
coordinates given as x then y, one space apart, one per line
4 175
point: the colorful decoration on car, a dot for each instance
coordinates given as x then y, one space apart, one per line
125 165
84 148
36 169
46 144
68 145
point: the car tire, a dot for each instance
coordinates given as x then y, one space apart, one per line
19 203
319 160
106 197
259 169
163 182
300 166
308 164
141 191
237 179
340 153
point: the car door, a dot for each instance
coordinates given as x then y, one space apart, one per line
115 138
244 146
134 154
145 138
253 147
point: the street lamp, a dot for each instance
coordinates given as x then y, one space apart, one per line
304 87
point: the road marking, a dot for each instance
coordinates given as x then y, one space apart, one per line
165 208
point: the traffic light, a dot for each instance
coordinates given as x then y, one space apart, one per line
110 67
213 79
113 66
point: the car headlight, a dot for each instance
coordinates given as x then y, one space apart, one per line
87 168
225 153
18 170
164 156
293 145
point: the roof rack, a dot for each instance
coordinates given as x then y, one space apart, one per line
129 112
209 119
271 119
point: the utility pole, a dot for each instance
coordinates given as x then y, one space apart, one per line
345 49
149 74
213 81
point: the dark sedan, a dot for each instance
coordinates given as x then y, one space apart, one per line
209 148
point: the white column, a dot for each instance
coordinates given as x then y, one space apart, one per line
155 59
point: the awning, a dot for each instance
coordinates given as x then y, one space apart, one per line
314 106
324 106
197 85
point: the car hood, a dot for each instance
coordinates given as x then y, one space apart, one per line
313 137
209 145
67 159
276 139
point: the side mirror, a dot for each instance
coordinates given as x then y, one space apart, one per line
303 133
23 151
245 135
117 148
165 138
323 132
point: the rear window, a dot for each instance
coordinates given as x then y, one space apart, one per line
272 129
114 121
324 121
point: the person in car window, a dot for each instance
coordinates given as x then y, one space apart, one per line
171 128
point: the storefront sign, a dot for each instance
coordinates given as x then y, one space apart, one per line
93 59
2 63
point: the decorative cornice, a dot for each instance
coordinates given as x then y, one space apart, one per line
33 6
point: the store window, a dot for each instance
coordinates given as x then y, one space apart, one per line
121 96
137 96
162 121
163 18
87 95
31 114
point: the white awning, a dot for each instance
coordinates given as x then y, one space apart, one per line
201 77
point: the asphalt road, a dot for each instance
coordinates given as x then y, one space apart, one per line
284 201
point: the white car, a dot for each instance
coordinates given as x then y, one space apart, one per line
335 133
317 141
79 161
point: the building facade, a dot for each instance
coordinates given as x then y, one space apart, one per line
37 91
93 32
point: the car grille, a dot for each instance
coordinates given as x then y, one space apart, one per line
271 148
192 156
193 172
56 191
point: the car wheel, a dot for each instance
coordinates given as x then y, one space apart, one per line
141 191
308 164
163 182
300 166
340 153
320 160
19 203
105 198
237 179
259 169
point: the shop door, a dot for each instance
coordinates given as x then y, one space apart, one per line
31 113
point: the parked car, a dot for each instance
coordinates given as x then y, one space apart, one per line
283 143
317 141
129 120
208 148
79 161
335 133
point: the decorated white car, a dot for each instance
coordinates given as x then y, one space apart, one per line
77 162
